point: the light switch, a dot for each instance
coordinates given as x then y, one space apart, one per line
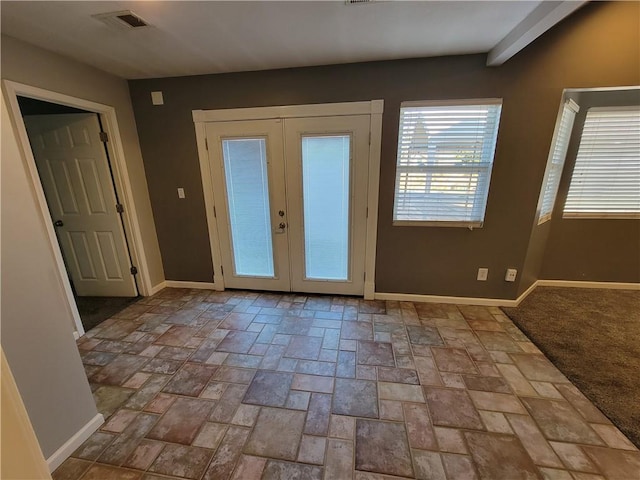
156 98
181 193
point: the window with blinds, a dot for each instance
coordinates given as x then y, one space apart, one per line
606 176
557 156
445 155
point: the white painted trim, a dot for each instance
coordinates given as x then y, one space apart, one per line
581 284
198 285
542 18
374 108
76 335
209 204
156 288
375 128
121 178
74 442
410 297
526 293
289 111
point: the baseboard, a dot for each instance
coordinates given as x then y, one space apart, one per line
199 285
156 288
410 297
74 442
525 294
580 284
76 335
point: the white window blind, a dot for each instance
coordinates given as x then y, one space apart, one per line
557 156
606 176
445 154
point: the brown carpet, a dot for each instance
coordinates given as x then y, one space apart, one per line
593 337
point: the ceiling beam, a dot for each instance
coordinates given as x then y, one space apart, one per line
541 19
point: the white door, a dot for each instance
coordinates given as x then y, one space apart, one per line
76 178
291 202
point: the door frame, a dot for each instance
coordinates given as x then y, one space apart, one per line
120 174
373 108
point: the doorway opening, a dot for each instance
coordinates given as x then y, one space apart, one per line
76 175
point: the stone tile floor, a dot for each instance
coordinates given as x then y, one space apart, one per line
215 385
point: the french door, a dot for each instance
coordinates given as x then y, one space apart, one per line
291 202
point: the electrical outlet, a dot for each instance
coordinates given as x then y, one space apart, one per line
511 275
483 273
157 98
180 192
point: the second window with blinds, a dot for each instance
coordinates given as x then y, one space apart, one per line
445 156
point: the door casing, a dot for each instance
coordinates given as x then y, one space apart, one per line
373 108
120 174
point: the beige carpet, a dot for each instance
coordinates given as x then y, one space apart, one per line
593 337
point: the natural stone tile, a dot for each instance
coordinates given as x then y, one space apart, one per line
269 388
401 392
555 474
234 375
486 384
582 404
459 467
382 447
306 348
613 437
144 454
124 444
312 449
120 420
450 440
227 454
94 446
424 335
339 460
107 472
249 468
210 435
148 391
243 360
342 426
358 398
498 341
237 321
356 331
294 326
546 389
277 470
181 423
182 461
119 370
246 415
495 422
366 372
558 421
190 380
71 469
536 367
613 463
452 408
500 402
228 404
398 375
237 342
288 424
298 400
372 306
177 335
428 465
573 457
455 360
213 391
375 353
327 369
518 383
452 380
419 428
346 364
500 457
137 380
312 383
318 415
537 447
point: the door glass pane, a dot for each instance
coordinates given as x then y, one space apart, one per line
245 167
325 182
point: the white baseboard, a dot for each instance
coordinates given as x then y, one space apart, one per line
156 288
76 335
74 442
525 294
199 285
580 284
410 297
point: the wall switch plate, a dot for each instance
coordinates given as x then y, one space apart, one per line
181 193
483 273
511 275
156 98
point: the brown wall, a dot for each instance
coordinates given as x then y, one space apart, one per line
606 250
597 46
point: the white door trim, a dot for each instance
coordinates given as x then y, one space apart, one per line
374 108
120 173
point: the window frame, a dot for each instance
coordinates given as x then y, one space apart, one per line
574 215
470 224
574 108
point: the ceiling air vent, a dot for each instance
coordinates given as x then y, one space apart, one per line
357 2
123 20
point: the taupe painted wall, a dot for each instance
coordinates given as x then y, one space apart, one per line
598 46
605 250
36 325
34 66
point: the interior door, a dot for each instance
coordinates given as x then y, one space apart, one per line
327 162
249 194
76 178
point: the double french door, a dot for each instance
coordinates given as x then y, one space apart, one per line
291 202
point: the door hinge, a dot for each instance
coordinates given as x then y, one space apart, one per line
134 270
214 212
367 213
119 208
206 144
104 138
369 138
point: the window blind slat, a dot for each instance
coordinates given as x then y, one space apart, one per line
445 155
606 176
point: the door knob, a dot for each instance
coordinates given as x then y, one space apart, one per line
58 223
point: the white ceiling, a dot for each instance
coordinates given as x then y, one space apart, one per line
189 38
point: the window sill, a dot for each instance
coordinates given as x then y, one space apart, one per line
420 223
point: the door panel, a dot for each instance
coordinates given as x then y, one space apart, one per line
327 172
76 178
249 193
